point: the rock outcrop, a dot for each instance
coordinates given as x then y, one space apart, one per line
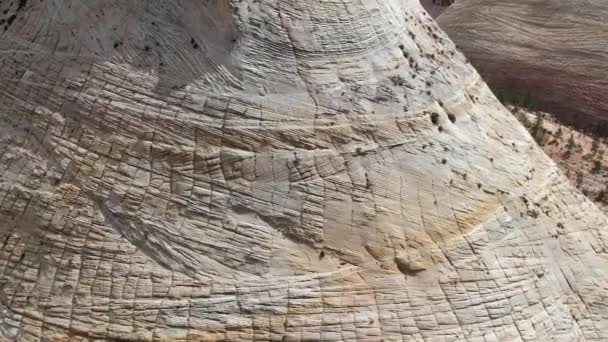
553 52
276 171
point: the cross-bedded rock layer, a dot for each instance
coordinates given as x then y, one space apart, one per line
276 170
552 52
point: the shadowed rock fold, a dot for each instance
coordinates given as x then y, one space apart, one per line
276 170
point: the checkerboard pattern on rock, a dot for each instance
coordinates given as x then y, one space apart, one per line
276 171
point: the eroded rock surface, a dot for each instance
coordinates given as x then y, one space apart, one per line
276 171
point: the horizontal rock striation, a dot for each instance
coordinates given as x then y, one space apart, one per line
552 52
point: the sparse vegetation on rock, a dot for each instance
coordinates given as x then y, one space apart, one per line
579 154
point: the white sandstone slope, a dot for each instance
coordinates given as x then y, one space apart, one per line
276 171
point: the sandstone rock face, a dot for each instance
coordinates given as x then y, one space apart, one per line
276 171
554 51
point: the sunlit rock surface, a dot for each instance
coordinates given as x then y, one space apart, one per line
276 171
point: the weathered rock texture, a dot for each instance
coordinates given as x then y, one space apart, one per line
276 170
553 51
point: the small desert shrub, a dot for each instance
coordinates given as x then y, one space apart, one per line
597 167
452 117
569 147
397 80
538 131
602 196
435 118
579 179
